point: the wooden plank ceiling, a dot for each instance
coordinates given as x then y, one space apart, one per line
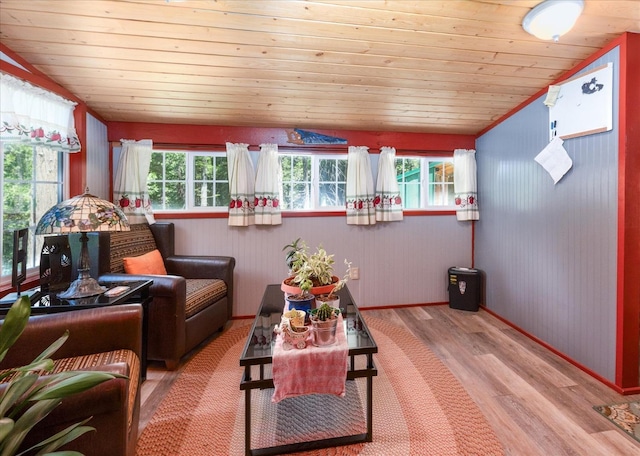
450 66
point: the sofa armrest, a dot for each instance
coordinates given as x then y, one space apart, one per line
201 267
90 331
163 285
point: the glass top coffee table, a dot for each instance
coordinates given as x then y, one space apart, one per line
257 354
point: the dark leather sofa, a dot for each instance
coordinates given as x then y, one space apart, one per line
106 339
190 304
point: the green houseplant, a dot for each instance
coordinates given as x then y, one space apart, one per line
310 272
30 393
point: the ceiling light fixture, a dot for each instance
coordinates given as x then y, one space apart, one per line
552 18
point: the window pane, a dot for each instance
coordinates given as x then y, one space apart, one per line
301 198
207 190
155 193
301 169
156 168
222 196
296 181
174 195
327 170
332 178
221 169
342 171
409 183
203 167
436 172
203 194
175 165
166 180
411 195
328 195
31 185
441 184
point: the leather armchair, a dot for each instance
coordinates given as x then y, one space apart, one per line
114 332
189 304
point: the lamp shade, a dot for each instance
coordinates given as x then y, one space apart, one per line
82 213
552 18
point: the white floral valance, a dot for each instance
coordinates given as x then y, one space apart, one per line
35 115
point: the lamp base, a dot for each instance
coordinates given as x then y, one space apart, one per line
82 287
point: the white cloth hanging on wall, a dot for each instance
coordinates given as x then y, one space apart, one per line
130 191
465 184
241 185
555 159
360 190
268 187
387 202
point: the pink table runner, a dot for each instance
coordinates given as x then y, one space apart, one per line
312 370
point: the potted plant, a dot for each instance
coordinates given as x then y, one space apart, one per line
324 320
28 396
310 273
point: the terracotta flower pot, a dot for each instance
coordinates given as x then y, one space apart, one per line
288 286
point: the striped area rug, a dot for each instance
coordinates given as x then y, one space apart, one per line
420 408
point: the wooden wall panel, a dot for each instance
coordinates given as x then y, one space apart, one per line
97 158
550 252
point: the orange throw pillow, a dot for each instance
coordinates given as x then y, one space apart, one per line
149 263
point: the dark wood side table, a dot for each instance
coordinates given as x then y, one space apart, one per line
138 293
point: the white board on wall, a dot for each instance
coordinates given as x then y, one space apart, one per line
584 105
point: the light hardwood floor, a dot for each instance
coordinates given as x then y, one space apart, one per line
537 403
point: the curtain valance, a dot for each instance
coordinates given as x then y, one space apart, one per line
35 115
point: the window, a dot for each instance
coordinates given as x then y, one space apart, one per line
426 183
188 181
31 178
313 182
198 181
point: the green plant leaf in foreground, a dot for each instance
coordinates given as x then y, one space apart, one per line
15 391
63 437
6 424
77 383
25 423
14 323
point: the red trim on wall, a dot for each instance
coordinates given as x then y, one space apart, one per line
473 243
628 296
78 161
198 135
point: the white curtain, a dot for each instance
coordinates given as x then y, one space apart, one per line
241 185
465 184
31 114
387 202
130 191
360 190
268 186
